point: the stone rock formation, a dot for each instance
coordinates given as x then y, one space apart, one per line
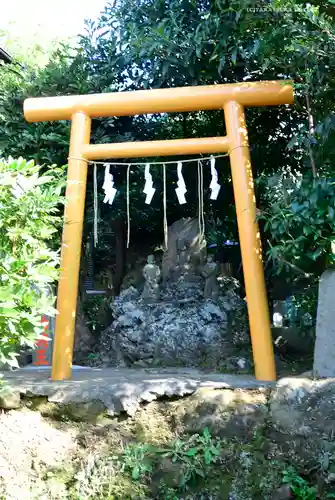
183 239
193 318
182 329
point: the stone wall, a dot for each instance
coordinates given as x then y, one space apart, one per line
263 428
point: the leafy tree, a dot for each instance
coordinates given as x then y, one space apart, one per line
299 231
45 142
186 43
154 43
301 222
29 224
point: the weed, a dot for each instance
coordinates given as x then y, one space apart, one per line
101 478
136 459
193 455
299 486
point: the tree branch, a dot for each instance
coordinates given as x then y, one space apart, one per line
292 266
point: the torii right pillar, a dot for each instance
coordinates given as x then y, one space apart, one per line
250 241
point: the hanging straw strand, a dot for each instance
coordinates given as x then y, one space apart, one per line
199 196
164 207
201 214
128 207
202 199
95 205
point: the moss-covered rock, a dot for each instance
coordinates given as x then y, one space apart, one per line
225 412
304 407
9 398
90 412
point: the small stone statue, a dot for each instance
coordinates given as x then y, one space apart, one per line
151 273
210 272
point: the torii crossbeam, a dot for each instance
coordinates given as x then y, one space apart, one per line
232 98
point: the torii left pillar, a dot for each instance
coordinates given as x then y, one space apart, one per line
71 247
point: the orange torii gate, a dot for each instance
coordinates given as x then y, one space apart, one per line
232 98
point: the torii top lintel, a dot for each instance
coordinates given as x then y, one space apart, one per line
179 99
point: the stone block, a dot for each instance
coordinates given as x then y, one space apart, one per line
304 407
9 398
324 351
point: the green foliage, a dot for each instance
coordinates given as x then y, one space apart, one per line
46 143
305 308
137 459
101 479
301 45
94 310
299 486
191 455
252 467
29 48
130 474
29 222
300 222
186 43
